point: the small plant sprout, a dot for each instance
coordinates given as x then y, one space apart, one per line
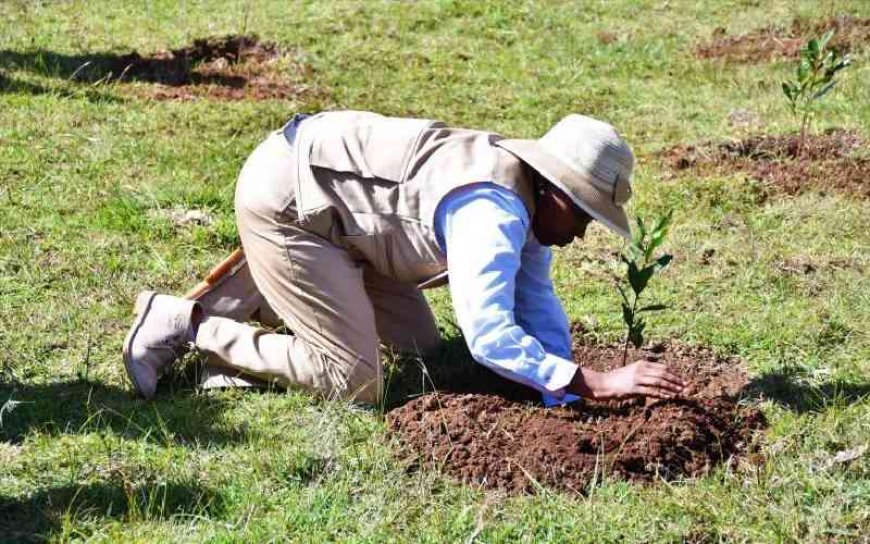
814 78
641 265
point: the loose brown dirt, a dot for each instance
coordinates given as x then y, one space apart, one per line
828 163
224 68
772 42
499 442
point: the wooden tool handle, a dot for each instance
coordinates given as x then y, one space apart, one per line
218 272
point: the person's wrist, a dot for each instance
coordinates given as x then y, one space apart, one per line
589 383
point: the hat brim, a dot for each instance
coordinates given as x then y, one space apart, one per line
587 196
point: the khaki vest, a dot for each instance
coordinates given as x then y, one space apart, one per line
371 184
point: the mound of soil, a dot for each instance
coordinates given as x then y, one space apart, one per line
498 442
226 68
770 42
825 162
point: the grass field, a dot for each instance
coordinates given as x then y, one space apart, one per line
89 170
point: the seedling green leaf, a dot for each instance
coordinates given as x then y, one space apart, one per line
664 223
639 278
640 227
653 308
663 261
824 90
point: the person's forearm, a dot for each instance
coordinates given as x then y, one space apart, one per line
538 310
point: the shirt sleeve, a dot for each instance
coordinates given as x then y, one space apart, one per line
539 311
483 229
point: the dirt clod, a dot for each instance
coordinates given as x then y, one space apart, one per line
707 256
606 37
497 442
225 68
771 42
827 162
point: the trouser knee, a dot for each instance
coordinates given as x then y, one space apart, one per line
364 383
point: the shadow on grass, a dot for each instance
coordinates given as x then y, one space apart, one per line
35 518
173 70
11 85
449 369
84 406
791 388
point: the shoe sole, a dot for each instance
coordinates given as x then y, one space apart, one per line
141 309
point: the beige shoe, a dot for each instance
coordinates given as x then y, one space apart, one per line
157 338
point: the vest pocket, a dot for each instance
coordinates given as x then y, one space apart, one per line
394 255
369 248
380 148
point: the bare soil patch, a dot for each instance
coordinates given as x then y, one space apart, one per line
828 162
224 68
497 441
771 42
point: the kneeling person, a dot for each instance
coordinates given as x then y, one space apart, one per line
345 216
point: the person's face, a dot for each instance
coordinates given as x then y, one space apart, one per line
557 221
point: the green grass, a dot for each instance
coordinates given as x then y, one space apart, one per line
86 168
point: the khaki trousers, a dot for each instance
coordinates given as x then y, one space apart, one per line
336 308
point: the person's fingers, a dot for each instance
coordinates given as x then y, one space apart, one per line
679 382
662 371
661 383
676 378
655 392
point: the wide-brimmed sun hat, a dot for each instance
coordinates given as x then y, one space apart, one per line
587 159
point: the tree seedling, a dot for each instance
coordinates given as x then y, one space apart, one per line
814 78
641 265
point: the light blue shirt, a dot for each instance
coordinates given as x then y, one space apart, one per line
501 289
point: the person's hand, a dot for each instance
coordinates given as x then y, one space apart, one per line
639 379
